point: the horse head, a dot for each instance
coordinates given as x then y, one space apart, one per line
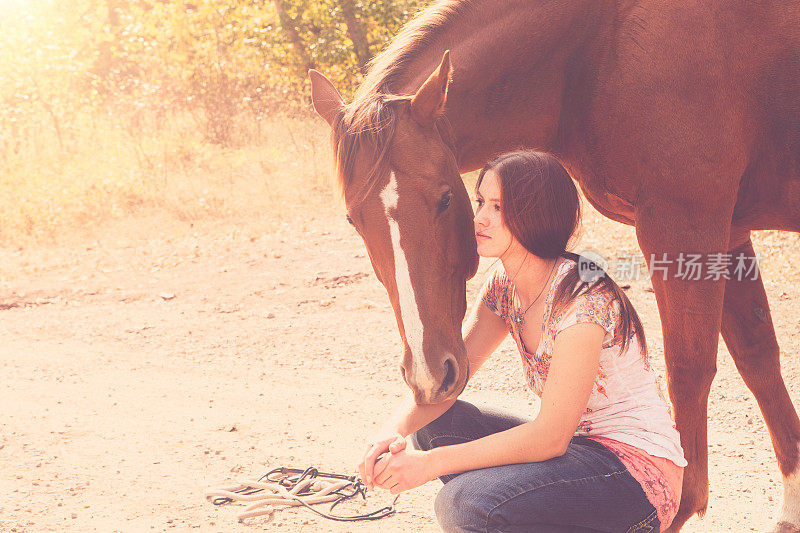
396 164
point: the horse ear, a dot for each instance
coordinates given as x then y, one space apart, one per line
327 100
428 104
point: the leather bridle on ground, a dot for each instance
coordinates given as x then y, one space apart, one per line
289 487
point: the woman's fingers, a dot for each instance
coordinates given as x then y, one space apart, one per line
380 465
367 466
370 465
398 445
369 462
382 479
362 467
381 473
378 448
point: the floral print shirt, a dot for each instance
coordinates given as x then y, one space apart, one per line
625 406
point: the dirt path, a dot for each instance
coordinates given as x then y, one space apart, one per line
139 371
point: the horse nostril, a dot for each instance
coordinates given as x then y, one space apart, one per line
449 375
403 373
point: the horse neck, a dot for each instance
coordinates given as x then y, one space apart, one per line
512 61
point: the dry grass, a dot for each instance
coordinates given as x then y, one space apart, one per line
104 171
100 171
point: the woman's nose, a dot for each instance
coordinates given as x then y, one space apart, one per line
480 219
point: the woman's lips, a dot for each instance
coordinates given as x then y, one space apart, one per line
481 236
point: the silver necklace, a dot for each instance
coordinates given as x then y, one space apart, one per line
520 317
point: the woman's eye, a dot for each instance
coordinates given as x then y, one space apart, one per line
479 202
444 203
350 221
497 207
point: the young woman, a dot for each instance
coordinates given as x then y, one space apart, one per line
603 453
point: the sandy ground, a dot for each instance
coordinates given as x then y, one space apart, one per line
141 367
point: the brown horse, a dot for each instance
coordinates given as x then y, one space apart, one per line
681 118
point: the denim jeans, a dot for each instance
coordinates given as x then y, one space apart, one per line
587 489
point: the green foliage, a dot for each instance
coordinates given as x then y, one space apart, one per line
116 108
143 59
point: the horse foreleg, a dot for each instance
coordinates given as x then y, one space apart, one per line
691 333
691 311
750 336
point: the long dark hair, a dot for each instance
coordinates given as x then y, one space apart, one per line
541 209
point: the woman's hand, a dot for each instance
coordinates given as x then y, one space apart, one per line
393 443
404 470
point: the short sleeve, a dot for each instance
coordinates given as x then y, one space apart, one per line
495 293
597 307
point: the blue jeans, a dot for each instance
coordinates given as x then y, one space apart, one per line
586 490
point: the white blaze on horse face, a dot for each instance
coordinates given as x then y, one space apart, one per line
409 311
790 511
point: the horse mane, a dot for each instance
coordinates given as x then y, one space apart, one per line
369 121
415 36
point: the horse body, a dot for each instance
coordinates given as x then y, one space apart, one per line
682 119
712 97
627 81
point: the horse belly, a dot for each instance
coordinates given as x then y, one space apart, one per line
768 196
769 191
597 194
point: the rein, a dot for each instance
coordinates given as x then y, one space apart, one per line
292 487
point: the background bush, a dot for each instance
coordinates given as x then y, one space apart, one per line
108 107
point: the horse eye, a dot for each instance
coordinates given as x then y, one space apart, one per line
444 203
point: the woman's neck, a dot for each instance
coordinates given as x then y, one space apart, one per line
529 273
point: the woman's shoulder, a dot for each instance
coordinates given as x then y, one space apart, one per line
567 267
568 261
592 301
588 275
497 277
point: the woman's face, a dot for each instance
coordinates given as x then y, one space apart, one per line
494 238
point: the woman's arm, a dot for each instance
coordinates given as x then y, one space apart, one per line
573 369
483 332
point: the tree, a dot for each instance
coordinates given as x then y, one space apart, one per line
290 28
356 32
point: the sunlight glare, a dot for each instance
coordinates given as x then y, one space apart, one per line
12 7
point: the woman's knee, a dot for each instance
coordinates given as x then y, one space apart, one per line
462 505
464 422
427 437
